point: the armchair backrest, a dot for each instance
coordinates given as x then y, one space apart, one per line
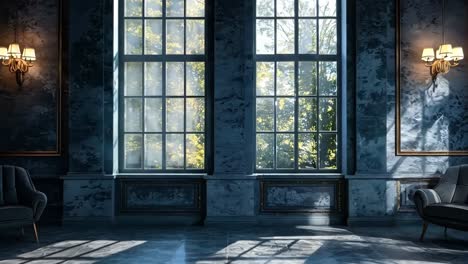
453 185
14 181
461 192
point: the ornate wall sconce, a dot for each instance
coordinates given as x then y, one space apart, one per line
445 57
16 61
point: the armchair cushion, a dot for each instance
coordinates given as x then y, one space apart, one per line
452 211
15 213
428 197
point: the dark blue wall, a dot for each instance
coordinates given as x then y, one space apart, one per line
374 172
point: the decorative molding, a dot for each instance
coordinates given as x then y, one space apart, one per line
398 150
196 206
59 95
338 206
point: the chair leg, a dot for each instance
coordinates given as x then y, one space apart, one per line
423 231
35 233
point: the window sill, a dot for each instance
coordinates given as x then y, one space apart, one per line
160 175
296 175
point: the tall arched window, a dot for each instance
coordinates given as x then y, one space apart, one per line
297 54
163 66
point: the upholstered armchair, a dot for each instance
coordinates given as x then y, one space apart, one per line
20 203
447 204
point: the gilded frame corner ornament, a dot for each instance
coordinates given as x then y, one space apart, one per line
398 150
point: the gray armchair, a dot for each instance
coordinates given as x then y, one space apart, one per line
20 203
447 204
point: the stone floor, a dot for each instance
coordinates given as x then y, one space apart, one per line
241 244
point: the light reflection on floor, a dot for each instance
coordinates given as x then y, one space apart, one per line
241 244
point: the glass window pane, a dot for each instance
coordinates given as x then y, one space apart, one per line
153 78
175 78
133 78
307 36
174 151
307 78
153 37
153 151
285 8
307 8
133 37
133 114
265 8
285 36
195 78
133 8
307 145
195 39
195 114
327 7
175 36
153 8
265 151
285 151
153 114
195 152
195 8
307 114
265 76
175 114
285 114
265 114
328 114
327 36
132 151
285 78
328 151
328 78
175 8
265 36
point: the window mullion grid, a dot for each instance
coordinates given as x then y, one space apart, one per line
185 88
275 163
274 116
163 88
275 28
317 105
296 85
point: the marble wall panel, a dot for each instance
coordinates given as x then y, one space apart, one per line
88 198
86 64
433 113
160 196
371 198
296 197
231 197
30 114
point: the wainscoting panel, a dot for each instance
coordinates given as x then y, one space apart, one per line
184 196
302 196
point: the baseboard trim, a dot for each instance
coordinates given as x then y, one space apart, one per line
87 220
213 220
382 221
312 220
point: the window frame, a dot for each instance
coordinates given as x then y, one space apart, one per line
296 57
207 57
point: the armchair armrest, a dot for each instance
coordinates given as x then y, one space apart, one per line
36 200
425 197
